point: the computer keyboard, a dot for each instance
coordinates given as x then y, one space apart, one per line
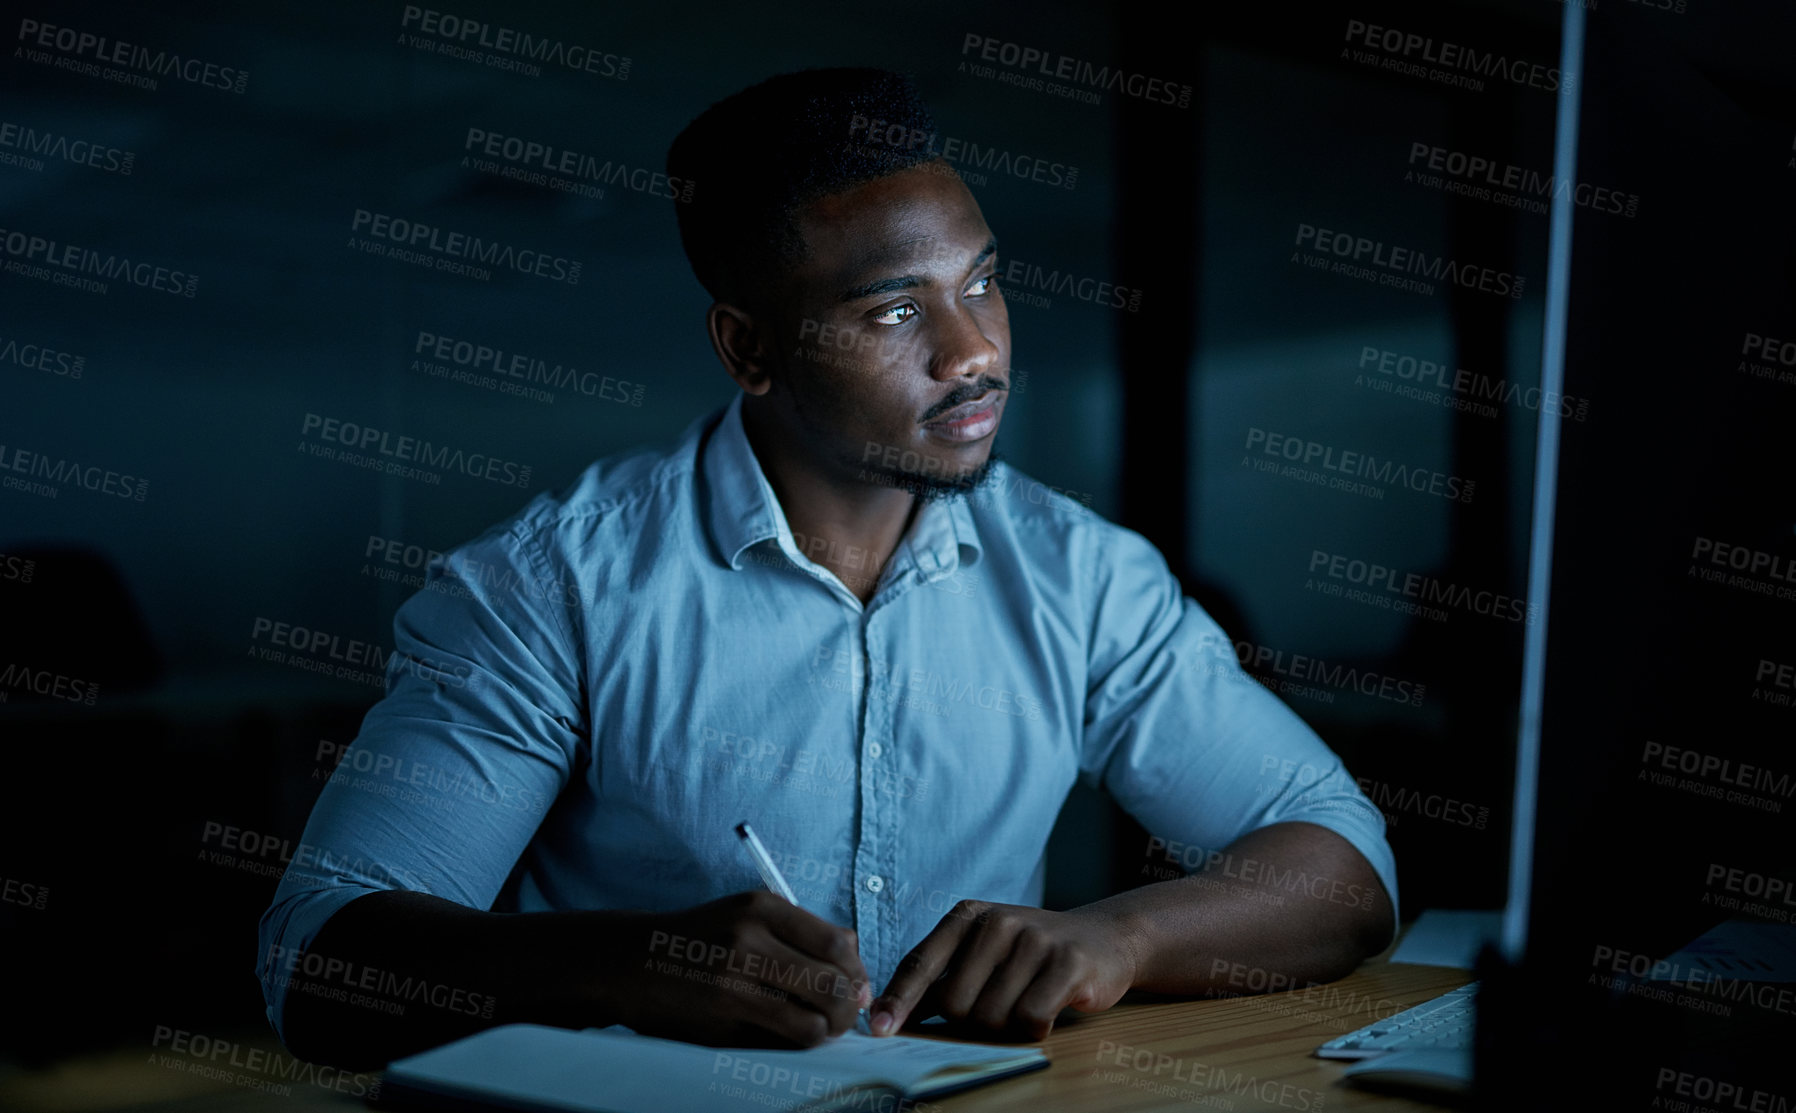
1444 1023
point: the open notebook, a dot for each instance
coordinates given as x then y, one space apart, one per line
615 1070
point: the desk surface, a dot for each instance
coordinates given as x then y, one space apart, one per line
1233 1054
1238 1053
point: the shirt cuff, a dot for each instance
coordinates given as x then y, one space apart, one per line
287 931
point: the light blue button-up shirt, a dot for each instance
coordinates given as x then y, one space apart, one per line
584 701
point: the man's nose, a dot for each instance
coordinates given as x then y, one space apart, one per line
965 350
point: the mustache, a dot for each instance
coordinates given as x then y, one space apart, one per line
960 396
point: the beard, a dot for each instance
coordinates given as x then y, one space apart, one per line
933 486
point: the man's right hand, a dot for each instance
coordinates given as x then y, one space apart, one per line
747 970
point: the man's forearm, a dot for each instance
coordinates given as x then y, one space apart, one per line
392 973
1287 904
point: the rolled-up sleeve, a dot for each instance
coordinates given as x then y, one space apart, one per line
453 771
1187 742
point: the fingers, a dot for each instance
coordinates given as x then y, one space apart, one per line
995 1003
814 936
1055 986
986 946
785 1026
919 970
1007 972
762 971
821 987
801 1024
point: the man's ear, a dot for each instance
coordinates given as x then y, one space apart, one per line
742 345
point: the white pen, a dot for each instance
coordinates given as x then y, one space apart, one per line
770 873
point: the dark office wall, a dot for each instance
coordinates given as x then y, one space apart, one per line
170 602
1364 394
256 194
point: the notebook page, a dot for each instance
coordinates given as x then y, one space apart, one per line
619 1071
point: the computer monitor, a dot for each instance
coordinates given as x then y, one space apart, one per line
1654 772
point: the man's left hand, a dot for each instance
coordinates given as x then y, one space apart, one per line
1010 969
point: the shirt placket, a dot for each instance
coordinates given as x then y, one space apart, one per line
875 859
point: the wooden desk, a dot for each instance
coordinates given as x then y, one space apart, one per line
1234 1054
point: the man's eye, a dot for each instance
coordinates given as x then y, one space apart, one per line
884 318
983 286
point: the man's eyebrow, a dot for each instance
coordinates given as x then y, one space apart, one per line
907 281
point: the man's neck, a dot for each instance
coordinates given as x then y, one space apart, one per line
847 525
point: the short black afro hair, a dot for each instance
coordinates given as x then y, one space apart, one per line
755 158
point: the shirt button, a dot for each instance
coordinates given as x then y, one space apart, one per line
875 883
874 749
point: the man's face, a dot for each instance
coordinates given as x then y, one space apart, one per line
895 351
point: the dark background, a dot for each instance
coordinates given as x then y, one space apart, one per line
117 808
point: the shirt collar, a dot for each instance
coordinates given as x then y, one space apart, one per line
743 511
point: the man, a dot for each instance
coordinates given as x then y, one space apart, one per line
827 611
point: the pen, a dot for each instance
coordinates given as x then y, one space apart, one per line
770 873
